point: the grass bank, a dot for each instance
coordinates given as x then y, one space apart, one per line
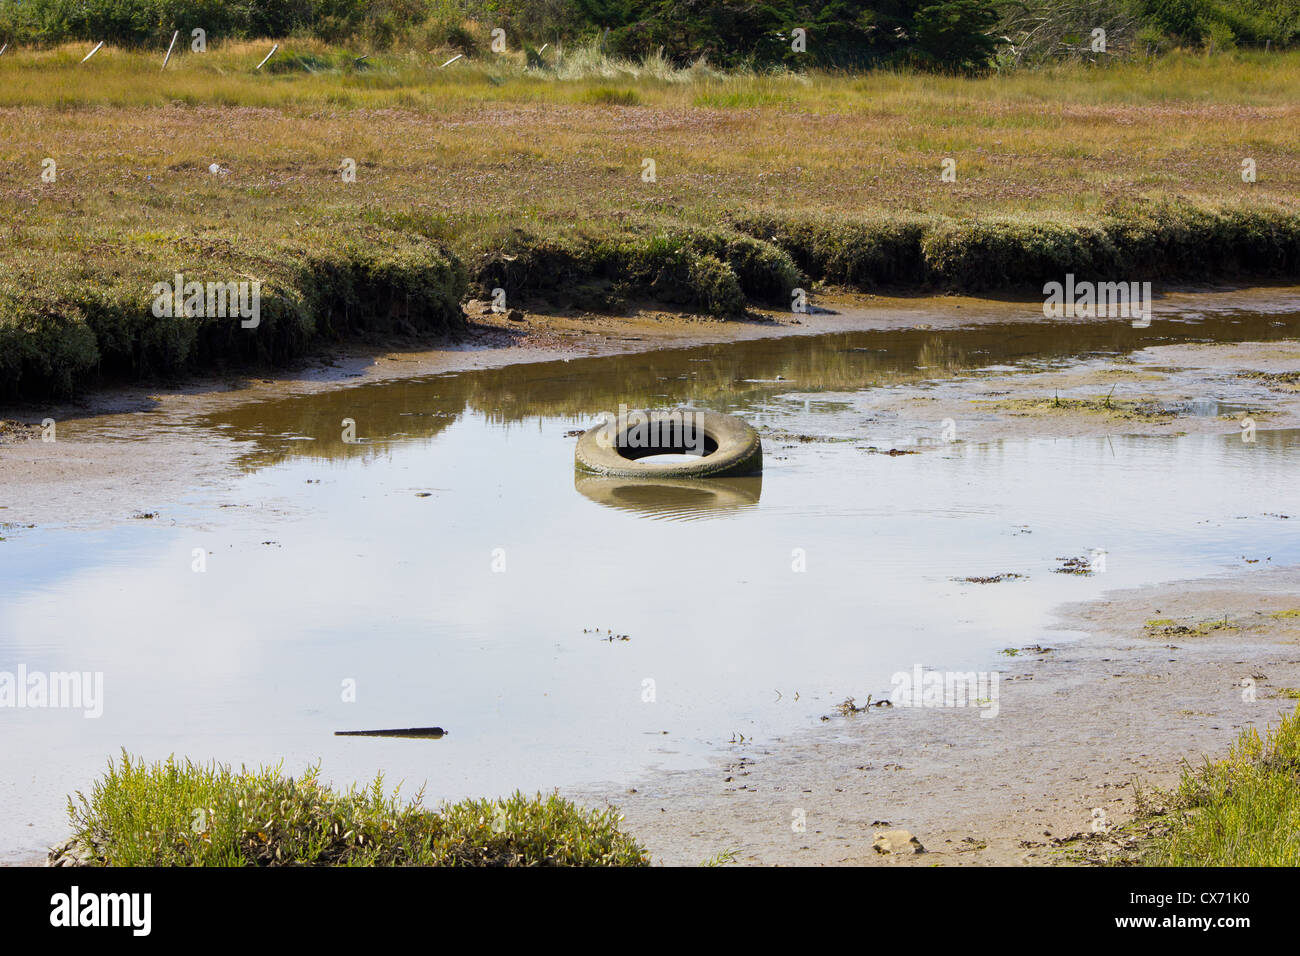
185 814
1243 810
530 175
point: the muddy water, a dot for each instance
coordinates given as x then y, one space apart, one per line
446 568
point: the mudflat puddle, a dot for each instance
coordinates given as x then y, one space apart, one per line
435 563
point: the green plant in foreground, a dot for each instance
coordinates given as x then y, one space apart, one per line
187 814
1243 810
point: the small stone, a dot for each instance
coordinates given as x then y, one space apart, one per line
897 841
515 315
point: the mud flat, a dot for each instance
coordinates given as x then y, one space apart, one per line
1150 676
1082 729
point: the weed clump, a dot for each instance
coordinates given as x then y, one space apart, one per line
1243 810
186 814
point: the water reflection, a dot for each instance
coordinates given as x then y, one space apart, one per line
675 499
737 377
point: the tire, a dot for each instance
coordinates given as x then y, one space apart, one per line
731 448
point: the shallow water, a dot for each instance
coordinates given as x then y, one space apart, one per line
451 565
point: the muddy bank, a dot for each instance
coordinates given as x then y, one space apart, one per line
1083 728
349 281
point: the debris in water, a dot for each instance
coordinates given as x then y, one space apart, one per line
1074 566
428 733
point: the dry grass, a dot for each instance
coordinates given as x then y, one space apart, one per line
491 142
488 154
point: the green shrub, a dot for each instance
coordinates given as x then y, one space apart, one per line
711 273
174 814
764 272
1243 810
714 287
858 254
43 347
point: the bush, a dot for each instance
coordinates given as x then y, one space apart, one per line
1181 19
954 35
43 347
948 34
843 252
173 814
128 22
713 273
1240 811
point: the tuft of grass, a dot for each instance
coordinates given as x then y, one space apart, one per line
608 96
1243 810
185 814
1167 627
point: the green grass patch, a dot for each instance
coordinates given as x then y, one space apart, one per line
607 96
1243 810
185 814
1168 627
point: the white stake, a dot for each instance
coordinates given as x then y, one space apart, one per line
92 52
452 60
3 48
543 49
169 48
268 56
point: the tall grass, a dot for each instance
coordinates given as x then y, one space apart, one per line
1243 810
174 813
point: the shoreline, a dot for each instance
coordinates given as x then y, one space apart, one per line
1085 727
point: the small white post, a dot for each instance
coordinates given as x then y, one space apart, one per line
543 49
169 48
452 60
92 52
268 56
3 48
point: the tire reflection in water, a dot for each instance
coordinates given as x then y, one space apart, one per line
673 499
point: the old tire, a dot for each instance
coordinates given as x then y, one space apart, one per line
731 448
